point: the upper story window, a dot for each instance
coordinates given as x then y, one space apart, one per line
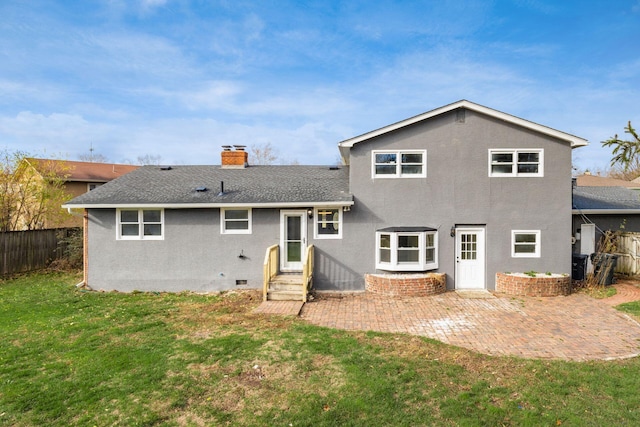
512 162
399 164
407 249
93 185
328 223
235 221
525 243
140 224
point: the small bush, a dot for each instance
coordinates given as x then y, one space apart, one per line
70 244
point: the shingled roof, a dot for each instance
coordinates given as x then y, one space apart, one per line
200 186
605 200
588 180
82 171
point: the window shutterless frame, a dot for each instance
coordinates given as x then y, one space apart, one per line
235 220
399 164
327 223
509 162
525 243
139 224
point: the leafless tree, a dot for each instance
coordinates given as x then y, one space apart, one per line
262 154
149 159
93 157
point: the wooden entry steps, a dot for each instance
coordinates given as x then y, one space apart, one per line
278 286
286 287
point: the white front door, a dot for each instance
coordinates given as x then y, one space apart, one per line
470 252
293 239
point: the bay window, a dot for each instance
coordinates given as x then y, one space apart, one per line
406 249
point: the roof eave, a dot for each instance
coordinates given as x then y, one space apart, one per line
206 205
574 140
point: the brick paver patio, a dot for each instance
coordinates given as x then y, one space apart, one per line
575 327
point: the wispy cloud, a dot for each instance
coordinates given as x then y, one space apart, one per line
179 78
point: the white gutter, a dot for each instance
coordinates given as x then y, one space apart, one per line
207 205
72 212
605 211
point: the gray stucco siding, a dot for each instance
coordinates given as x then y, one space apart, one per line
458 190
193 255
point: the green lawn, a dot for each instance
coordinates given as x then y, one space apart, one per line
70 357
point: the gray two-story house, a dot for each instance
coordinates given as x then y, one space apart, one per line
462 190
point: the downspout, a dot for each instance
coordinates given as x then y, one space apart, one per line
85 247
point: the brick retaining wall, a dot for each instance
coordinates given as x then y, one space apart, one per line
542 286
406 285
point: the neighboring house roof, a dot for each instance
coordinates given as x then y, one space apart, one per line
588 180
83 171
260 186
605 200
574 140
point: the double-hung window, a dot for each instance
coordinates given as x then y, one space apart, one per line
140 224
516 162
328 223
525 243
235 221
407 249
399 164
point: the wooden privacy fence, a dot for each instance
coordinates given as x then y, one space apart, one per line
23 251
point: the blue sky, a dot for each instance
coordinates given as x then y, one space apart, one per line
179 78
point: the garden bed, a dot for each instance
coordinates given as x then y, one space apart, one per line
533 284
406 285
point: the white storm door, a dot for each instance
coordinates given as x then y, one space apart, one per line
470 253
588 242
293 239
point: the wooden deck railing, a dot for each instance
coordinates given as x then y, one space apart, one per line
270 268
307 272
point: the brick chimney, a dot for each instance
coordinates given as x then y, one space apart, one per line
236 158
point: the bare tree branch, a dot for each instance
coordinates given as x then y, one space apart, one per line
262 154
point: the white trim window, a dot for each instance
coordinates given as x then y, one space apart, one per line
399 164
327 223
140 224
93 185
407 249
516 163
235 221
525 243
